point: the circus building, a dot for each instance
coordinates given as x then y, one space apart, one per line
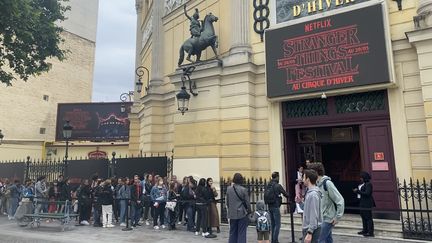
343 82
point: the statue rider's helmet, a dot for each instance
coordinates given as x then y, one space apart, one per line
196 14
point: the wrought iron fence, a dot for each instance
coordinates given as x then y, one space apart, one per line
84 168
416 208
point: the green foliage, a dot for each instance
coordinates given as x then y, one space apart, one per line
29 36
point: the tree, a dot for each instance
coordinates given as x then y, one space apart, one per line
29 36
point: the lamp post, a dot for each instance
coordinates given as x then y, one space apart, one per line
140 72
1 137
125 97
183 96
67 134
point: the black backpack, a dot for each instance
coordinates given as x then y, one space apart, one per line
270 194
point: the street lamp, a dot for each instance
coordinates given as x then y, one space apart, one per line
67 134
140 72
183 96
125 97
1 137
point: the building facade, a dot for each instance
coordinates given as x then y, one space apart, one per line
29 109
234 124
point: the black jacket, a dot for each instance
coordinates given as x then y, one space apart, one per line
106 196
278 190
366 197
65 192
202 195
84 195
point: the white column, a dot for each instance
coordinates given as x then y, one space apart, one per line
138 48
240 39
156 77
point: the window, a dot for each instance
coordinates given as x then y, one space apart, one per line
46 97
42 130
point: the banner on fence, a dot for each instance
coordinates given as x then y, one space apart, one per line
12 171
139 166
85 169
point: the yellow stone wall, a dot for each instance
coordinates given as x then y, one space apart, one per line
229 119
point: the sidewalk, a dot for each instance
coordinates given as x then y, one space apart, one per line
50 233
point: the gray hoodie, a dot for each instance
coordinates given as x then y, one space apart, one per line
260 210
312 217
330 198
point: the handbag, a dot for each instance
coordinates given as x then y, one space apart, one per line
243 202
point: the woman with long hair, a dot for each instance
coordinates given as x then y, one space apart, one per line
213 211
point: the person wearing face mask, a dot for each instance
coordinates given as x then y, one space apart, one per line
159 196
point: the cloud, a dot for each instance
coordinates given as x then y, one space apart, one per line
115 50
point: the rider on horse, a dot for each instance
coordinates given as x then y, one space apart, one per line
195 25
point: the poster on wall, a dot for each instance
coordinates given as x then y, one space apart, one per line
337 51
94 121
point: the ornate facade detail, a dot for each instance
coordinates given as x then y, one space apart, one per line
147 31
305 108
170 5
362 102
261 17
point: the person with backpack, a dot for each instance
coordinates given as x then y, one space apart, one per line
312 216
272 197
261 218
332 206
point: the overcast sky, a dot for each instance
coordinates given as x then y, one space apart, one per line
115 50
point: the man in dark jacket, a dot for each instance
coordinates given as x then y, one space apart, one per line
367 202
274 207
106 199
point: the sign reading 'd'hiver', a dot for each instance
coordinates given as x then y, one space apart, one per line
292 9
338 51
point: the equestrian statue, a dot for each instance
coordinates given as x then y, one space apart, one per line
202 36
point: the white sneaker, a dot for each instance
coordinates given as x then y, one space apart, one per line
110 226
179 223
205 234
123 224
147 223
84 222
156 227
163 226
104 226
197 233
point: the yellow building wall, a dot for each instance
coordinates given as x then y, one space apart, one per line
229 119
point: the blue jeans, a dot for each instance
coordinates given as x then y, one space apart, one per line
97 214
326 233
275 217
190 212
136 213
123 207
238 230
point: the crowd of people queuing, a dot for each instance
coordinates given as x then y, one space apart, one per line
317 200
192 203
149 200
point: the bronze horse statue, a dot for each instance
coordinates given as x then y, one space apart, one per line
195 45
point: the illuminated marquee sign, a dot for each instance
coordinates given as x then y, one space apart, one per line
293 9
339 51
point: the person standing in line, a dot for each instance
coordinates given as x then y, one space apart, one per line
312 217
332 205
261 218
4 196
213 211
107 204
148 185
136 202
202 198
97 207
159 195
367 202
239 208
181 207
273 198
41 195
122 197
84 202
15 194
172 198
